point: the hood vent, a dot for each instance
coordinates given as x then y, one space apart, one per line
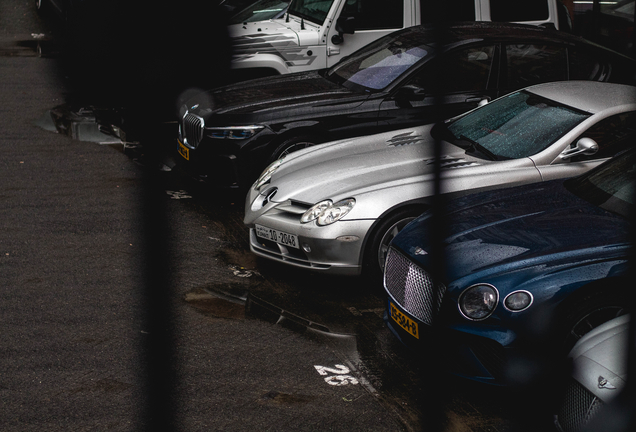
404 139
448 162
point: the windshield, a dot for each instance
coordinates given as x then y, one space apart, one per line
311 10
380 63
610 186
516 126
260 11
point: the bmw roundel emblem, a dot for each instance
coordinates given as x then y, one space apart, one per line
193 107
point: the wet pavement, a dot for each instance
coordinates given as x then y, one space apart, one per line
254 345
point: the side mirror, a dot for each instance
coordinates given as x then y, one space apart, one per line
343 25
586 146
408 93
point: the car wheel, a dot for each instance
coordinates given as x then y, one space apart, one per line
589 312
378 244
291 145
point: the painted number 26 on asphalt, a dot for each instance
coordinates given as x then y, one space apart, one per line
340 378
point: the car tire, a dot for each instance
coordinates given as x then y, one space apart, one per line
589 311
378 243
291 145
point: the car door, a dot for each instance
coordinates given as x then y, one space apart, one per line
613 135
448 85
368 19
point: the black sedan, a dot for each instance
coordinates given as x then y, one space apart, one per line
414 76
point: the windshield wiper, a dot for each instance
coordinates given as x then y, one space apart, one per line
476 147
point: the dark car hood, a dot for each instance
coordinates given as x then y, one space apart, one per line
271 97
507 229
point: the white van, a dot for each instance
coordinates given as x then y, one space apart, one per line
316 34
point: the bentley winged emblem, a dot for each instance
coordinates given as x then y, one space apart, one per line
605 384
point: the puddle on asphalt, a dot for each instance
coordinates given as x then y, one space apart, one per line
217 303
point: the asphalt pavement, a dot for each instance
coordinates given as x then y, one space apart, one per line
130 300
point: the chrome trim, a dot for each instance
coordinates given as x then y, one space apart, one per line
520 310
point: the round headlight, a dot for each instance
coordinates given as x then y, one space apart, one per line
335 212
518 301
267 174
315 211
478 301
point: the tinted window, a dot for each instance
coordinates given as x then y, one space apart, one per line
613 135
514 11
375 14
447 10
458 71
585 66
611 185
533 64
311 10
518 125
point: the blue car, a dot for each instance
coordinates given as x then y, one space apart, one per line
545 259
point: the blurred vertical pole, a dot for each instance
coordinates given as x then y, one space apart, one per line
438 393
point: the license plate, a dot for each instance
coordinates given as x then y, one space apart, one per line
277 236
403 321
183 150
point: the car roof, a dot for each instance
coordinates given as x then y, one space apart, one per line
457 32
589 96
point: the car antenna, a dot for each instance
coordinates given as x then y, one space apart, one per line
302 24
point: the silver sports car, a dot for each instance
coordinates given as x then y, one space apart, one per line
335 207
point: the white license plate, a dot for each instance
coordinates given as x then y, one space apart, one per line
277 236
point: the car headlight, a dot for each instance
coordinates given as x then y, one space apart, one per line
315 211
266 176
326 213
233 132
518 301
478 302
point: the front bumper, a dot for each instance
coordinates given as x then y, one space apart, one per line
333 249
463 354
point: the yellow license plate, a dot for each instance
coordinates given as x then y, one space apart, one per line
403 321
183 150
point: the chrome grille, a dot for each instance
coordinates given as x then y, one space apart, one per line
412 287
192 130
578 407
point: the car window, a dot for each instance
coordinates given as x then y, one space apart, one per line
447 10
611 186
517 11
375 14
585 65
529 64
311 10
378 64
613 135
516 126
457 71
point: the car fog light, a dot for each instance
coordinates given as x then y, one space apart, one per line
348 238
478 301
518 301
306 248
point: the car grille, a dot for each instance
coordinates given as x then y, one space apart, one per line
412 287
578 407
192 130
